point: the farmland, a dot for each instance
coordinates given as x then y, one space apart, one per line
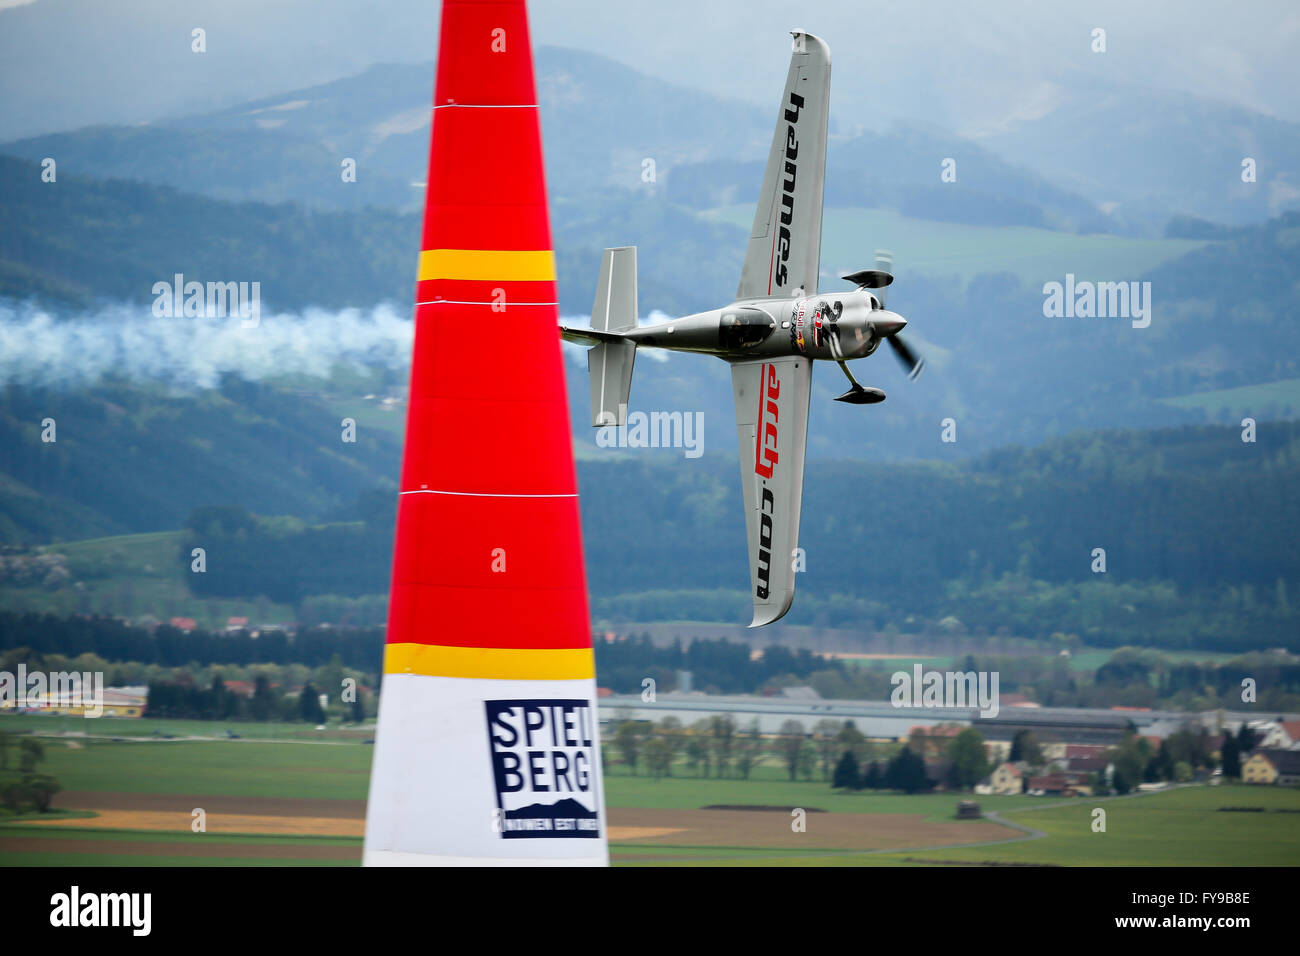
299 800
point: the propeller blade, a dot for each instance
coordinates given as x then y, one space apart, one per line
869 279
907 357
885 264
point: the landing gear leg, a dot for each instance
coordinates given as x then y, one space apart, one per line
857 395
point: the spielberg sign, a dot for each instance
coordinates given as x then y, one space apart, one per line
543 765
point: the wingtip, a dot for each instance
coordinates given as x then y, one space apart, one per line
801 39
764 615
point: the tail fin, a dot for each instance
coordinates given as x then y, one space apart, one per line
610 364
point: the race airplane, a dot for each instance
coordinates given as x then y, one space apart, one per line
778 325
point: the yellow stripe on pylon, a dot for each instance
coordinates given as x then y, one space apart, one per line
503 663
488 265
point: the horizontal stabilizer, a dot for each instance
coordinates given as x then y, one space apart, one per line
610 367
579 336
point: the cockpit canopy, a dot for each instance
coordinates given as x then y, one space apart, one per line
744 328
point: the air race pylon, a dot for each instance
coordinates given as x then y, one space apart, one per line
487 749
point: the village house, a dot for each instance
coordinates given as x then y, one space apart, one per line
1084 765
932 741
1007 778
1051 785
1282 735
997 751
1077 751
115 702
1281 767
1053 749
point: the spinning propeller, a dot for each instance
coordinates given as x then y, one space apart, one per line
911 362
886 328
877 279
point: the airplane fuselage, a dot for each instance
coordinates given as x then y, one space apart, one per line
834 326
771 336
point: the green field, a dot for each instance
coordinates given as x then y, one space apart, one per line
1174 827
927 247
769 786
129 575
371 414
1181 827
1281 397
127 727
328 770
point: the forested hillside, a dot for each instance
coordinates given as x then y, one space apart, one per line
997 366
1198 530
904 531
132 459
78 241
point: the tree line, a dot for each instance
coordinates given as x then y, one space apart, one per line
116 640
267 703
1004 544
719 666
717 746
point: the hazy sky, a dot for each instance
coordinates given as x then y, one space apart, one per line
962 65
977 57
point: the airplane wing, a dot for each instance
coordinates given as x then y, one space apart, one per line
772 429
785 244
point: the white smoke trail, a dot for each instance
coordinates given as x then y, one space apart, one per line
129 341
